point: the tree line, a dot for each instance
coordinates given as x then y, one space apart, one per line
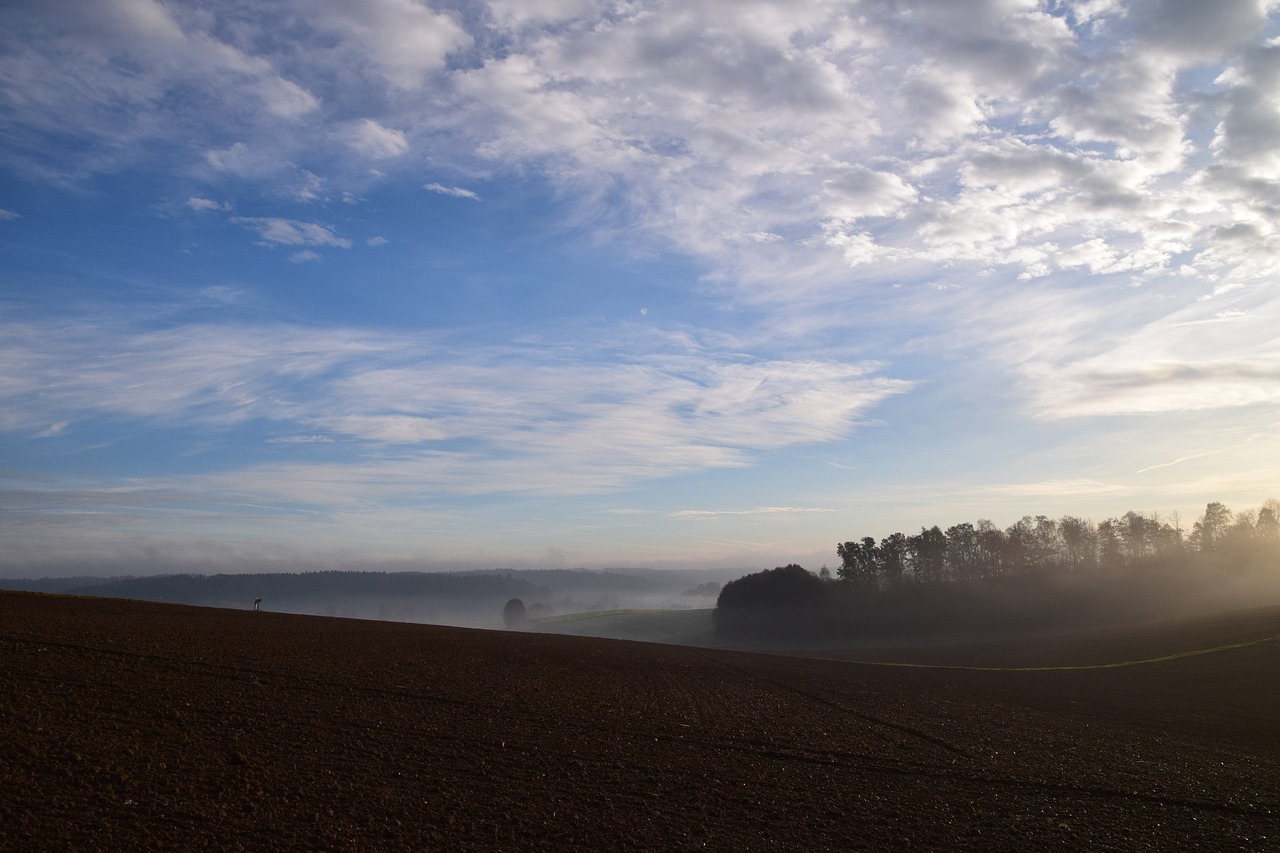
1039 570
967 552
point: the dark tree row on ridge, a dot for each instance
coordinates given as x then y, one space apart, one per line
973 552
978 576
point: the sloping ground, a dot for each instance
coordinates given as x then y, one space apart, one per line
1098 647
675 627
130 725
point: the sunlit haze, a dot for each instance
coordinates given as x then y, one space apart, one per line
673 284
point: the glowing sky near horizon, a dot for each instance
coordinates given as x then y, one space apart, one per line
563 282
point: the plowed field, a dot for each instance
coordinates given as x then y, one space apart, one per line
127 725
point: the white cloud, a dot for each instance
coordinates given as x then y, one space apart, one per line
202 204
291 232
1191 31
376 241
518 13
8 215
1155 386
1051 489
301 439
372 140
238 159
1025 154
305 186
1223 353
130 73
861 192
393 429
456 192
703 514
552 426
304 256
53 429
405 40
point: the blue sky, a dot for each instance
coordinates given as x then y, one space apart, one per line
560 282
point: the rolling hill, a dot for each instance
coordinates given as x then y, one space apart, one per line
154 726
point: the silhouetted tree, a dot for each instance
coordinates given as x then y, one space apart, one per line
1137 536
1046 544
929 554
785 600
514 614
1019 544
895 557
1079 542
859 562
1268 527
990 548
1240 537
1168 542
977 575
1207 533
963 552
703 589
1110 546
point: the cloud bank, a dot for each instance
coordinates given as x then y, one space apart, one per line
1078 199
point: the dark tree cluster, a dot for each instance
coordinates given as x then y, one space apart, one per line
971 576
965 552
777 602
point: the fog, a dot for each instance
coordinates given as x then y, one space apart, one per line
389 592
1049 599
790 603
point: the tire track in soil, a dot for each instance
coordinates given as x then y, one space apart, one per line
852 761
835 706
722 712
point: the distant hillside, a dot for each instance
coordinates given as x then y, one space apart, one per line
632 580
448 598
143 726
673 627
575 580
470 599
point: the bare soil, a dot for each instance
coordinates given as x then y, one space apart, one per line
128 725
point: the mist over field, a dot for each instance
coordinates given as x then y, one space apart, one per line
155 726
937 338
1039 574
466 599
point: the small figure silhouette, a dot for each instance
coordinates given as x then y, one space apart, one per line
257 604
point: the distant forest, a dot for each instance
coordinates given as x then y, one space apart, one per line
391 595
1039 572
468 598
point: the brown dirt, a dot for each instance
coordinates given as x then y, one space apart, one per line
147 726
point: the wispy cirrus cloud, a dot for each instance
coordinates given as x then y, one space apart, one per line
1072 203
275 231
202 204
467 421
1211 354
1051 489
301 439
702 514
456 192
375 141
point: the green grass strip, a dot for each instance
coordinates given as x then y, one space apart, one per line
1115 665
592 614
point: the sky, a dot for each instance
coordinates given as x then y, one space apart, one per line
675 283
